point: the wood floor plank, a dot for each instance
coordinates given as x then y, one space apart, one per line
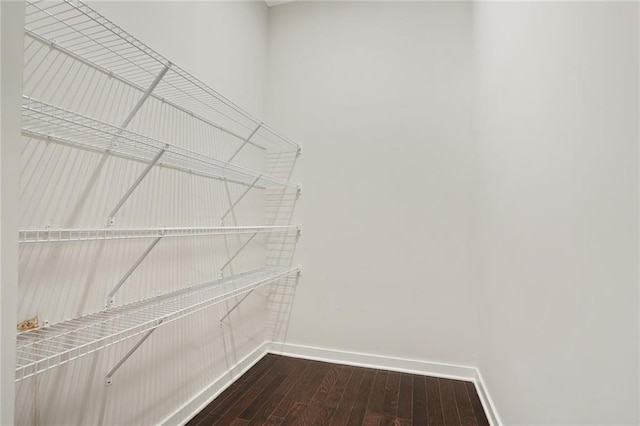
290 399
341 415
236 391
232 413
295 415
335 396
463 402
267 392
376 398
326 385
274 421
230 392
266 378
391 394
449 408
314 412
264 412
307 393
258 369
360 406
405 396
388 420
481 417
372 419
321 409
419 409
434 404
304 383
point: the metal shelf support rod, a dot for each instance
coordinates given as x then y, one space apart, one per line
126 276
131 351
246 141
233 308
235 203
145 96
135 185
236 253
141 101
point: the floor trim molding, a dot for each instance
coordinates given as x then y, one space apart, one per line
447 371
192 407
485 399
434 369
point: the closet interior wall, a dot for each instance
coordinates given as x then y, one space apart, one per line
389 247
557 127
65 187
11 26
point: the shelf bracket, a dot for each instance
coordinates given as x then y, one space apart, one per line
235 203
233 308
133 187
146 95
236 254
110 297
246 141
131 351
141 101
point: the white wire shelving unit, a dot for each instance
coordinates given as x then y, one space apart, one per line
47 122
80 32
49 235
45 348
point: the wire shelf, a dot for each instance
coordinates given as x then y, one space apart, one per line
50 123
42 349
49 235
82 33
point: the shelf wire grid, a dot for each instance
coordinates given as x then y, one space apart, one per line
51 123
49 235
45 348
79 31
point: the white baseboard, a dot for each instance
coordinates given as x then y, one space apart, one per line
425 368
202 399
435 369
487 402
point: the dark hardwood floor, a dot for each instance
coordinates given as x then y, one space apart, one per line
280 390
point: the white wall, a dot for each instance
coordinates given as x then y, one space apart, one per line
557 122
224 44
379 96
11 24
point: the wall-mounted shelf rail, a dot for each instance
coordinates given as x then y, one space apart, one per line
42 349
49 123
79 32
47 235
